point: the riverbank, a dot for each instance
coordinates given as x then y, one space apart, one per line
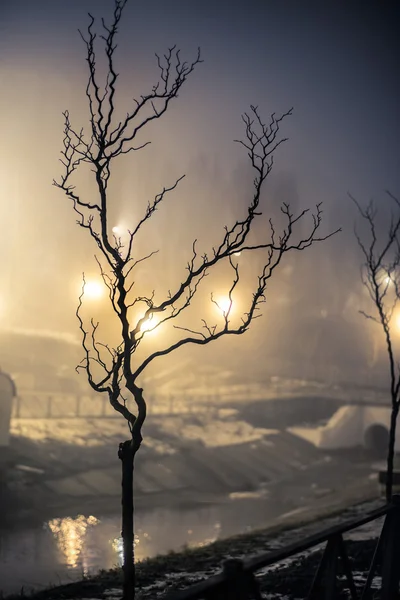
160 575
63 515
334 478
64 467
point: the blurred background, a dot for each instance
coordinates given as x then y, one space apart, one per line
334 63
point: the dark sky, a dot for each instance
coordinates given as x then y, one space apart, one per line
336 62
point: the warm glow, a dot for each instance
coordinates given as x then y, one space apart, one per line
397 321
224 305
237 253
93 290
70 534
117 230
118 547
149 324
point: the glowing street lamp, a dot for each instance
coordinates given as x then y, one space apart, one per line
149 325
93 290
224 305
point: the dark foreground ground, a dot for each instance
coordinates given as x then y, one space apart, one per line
290 580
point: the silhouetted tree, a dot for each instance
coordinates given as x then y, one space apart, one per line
380 276
108 139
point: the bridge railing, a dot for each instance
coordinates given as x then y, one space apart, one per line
61 405
238 580
45 405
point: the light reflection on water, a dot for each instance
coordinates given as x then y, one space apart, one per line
70 536
65 549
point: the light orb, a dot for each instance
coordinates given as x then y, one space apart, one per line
93 290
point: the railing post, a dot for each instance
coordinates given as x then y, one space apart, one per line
324 584
391 553
347 569
239 584
377 555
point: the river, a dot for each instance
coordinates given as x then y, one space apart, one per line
62 550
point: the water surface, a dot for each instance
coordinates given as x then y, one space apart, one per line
62 550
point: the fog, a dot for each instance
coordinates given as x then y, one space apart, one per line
335 63
332 64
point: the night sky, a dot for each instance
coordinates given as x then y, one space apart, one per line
336 62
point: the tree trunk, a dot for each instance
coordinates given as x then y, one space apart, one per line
127 455
390 456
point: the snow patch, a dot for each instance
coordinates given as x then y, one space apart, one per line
255 494
113 593
213 432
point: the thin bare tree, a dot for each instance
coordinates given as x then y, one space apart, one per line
381 277
107 140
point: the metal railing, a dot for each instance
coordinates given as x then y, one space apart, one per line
58 405
238 581
71 405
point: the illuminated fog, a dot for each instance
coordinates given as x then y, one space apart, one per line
327 63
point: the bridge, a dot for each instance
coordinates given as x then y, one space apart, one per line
47 405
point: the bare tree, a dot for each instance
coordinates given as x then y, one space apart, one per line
110 368
380 276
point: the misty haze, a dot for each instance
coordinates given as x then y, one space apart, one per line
196 282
